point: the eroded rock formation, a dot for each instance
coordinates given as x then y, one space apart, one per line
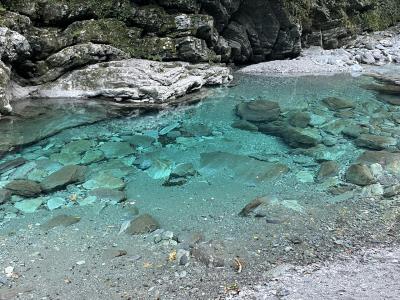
41 40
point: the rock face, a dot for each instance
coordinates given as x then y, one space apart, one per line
42 41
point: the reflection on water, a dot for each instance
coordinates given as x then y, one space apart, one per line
319 155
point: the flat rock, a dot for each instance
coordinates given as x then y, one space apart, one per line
240 167
104 181
116 149
78 146
139 140
259 111
25 188
244 125
375 142
108 195
301 137
29 205
61 178
359 174
334 103
11 164
142 224
60 220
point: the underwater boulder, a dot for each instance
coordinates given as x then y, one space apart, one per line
259 111
335 104
25 188
328 169
359 174
61 178
375 142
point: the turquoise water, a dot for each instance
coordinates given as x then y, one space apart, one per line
193 173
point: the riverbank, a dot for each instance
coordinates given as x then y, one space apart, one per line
361 55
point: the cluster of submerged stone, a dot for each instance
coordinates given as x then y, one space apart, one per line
319 132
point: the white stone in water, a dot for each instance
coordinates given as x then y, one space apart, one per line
316 120
305 177
55 203
29 206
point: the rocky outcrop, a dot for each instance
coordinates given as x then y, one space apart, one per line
47 39
135 80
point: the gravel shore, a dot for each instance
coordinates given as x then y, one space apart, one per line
370 274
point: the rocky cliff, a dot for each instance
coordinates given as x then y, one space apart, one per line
40 40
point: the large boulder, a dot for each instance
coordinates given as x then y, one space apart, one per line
135 80
359 174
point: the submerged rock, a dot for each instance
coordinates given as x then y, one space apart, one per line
375 142
116 149
61 178
328 169
25 188
29 206
259 111
60 220
142 224
301 137
251 206
104 181
5 196
12 164
246 169
359 174
334 103
390 161
108 194
244 125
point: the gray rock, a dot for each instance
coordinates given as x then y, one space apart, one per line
116 149
12 164
391 191
299 119
61 178
328 169
375 142
359 174
142 224
5 196
259 111
334 103
244 125
108 195
25 188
